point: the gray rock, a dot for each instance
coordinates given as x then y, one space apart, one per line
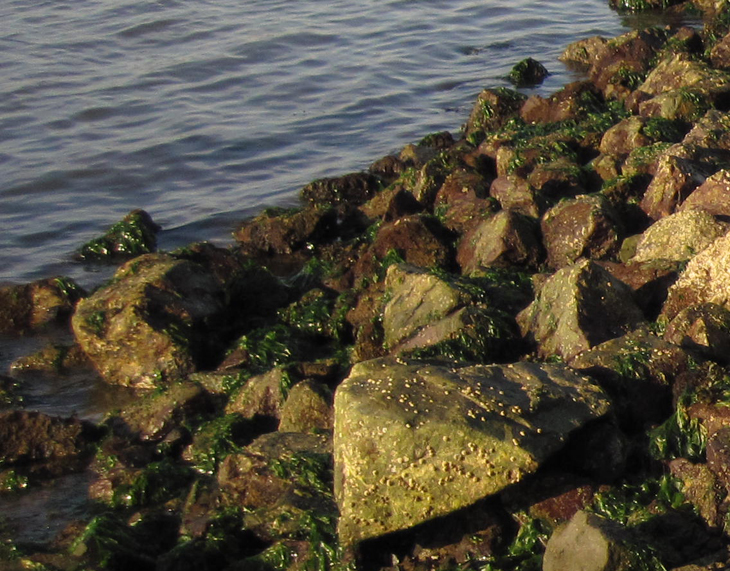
414 441
308 408
588 542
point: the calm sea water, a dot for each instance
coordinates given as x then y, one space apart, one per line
203 112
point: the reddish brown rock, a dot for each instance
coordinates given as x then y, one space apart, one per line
712 196
624 137
505 239
28 307
704 329
566 103
584 227
492 109
516 194
699 486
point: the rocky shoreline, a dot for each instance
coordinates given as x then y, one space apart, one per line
505 350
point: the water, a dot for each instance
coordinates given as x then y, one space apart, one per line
203 112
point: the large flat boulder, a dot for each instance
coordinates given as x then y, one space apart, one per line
414 441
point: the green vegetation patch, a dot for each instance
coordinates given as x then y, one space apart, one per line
158 482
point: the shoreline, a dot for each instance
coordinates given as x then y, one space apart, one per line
469 356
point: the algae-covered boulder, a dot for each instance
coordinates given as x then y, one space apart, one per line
414 440
528 72
134 235
354 188
579 307
678 237
706 279
492 109
152 323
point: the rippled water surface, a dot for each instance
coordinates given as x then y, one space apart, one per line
203 112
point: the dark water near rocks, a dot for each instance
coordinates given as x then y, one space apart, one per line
203 112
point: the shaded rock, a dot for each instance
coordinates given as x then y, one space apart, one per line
505 239
134 235
650 282
461 216
562 319
706 279
354 189
28 307
462 184
261 397
564 503
710 131
492 109
718 456
567 103
392 203
699 486
308 408
590 543
154 416
278 231
527 72
712 196
678 237
637 370
258 477
704 329
415 441
584 227
152 324
416 240
388 168
644 161
43 444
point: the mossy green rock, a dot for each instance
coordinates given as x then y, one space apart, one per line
135 234
150 325
414 441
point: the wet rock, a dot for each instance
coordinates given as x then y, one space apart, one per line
585 52
704 329
637 371
45 445
505 239
353 189
492 109
278 231
388 168
558 178
153 416
562 318
712 196
590 543
308 408
392 203
134 235
706 279
566 103
528 72
678 237
622 63
584 227
55 358
415 441
29 307
152 324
